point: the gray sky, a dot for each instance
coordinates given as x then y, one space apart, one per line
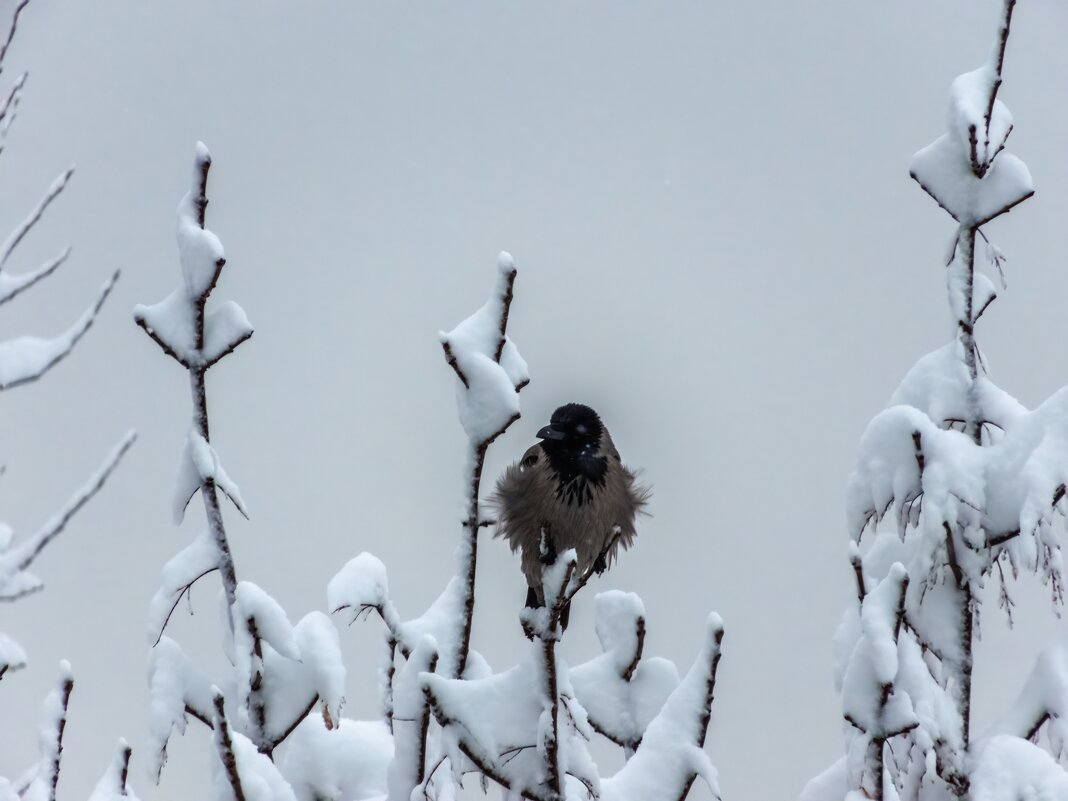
719 249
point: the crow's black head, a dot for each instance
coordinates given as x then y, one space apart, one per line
573 427
572 442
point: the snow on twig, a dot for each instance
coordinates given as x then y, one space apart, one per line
27 358
15 581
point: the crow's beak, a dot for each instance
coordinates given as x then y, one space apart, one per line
550 433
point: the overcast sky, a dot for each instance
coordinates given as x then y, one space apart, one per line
719 248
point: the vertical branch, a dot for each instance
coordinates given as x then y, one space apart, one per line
391 672
877 745
424 727
556 598
706 709
43 786
124 768
469 549
998 63
966 632
973 416
225 746
197 372
257 702
61 724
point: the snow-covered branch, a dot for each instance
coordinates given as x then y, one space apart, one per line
42 787
112 785
198 339
491 374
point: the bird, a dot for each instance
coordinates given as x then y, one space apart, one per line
573 489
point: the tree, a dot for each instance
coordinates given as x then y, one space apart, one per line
23 360
956 483
445 712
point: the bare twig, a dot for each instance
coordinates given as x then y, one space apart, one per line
124 768
288 730
450 357
998 64
11 33
183 591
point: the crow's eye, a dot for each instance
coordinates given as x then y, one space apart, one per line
581 429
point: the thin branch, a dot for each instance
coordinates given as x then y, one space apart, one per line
502 325
281 738
196 713
639 633
11 33
73 335
24 554
124 768
61 724
424 726
186 590
858 572
450 357
23 228
998 64
256 701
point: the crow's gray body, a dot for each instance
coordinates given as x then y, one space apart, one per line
580 513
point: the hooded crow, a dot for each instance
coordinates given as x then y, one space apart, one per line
572 489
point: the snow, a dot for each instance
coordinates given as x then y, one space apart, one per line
938 383
254 608
12 285
175 683
260 779
16 557
440 622
27 358
111 786
49 737
945 173
491 397
1044 693
1011 768
20 230
225 327
200 253
969 100
198 558
173 321
320 655
622 707
670 754
200 464
12 657
827 786
346 763
360 584
409 709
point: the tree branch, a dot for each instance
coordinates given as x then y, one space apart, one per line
11 33
225 747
